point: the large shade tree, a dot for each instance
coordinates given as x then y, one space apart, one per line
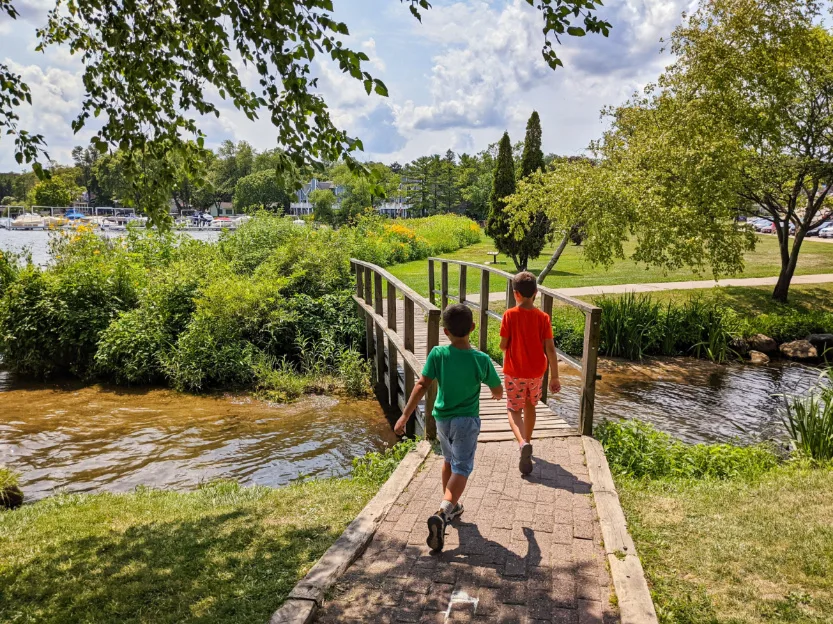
741 123
151 68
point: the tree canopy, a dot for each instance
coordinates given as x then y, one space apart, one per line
151 67
498 224
738 124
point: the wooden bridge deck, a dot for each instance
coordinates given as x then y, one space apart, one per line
493 416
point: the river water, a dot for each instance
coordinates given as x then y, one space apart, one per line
91 438
37 241
693 400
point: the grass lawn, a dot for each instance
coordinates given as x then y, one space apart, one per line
737 551
573 271
752 300
222 553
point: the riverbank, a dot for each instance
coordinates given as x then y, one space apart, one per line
221 553
725 533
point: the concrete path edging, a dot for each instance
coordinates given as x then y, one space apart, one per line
307 595
632 593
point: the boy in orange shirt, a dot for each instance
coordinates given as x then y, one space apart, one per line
526 341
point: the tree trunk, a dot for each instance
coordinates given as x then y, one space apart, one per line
554 259
789 260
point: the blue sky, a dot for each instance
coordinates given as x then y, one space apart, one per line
469 71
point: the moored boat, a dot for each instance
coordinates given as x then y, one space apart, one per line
28 221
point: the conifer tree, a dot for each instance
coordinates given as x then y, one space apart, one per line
498 224
534 235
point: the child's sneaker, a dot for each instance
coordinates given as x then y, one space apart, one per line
455 513
525 463
436 531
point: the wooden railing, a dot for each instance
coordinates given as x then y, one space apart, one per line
589 361
373 303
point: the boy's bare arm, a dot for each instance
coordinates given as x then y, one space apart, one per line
552 356
504 343
419 391
497 392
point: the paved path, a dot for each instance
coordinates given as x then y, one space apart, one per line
525 550
589 291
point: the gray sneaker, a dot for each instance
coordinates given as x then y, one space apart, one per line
436 531
455 513
525 463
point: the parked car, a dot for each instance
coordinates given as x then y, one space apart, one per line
826 232
817 230
764 226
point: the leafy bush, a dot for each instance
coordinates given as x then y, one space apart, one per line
809 420
354 371
257 239
376 468
789 324
638 450
11 495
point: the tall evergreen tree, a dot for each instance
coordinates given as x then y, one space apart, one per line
537 231
498 225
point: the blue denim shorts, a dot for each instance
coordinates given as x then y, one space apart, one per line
458 439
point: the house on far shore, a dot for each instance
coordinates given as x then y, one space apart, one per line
302 204
223 209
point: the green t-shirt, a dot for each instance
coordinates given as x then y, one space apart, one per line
459 373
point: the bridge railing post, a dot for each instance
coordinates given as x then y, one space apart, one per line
367 297
484 310
393 371
546 306
431 395
380 336
462 290
443 285
431 295
410 374
592 337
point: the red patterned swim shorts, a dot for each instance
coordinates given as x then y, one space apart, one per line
519 391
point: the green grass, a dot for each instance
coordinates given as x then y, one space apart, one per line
223 553
741 551
572 271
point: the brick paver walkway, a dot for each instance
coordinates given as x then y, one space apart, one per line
527 549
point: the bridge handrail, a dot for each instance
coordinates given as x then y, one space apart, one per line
593 314
373 303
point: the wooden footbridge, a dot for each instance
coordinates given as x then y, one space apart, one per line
402 327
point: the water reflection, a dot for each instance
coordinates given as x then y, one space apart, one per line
693 400
99 438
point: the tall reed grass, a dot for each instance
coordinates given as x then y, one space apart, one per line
809 419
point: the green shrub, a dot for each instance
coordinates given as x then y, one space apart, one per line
376 468
11 496
809 420
354 371
789 324
10 267
638 450
253 242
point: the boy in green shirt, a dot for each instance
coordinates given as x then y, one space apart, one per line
459 370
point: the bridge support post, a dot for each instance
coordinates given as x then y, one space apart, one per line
484 311
546 306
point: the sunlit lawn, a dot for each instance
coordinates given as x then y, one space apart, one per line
220 554
733 551
573 271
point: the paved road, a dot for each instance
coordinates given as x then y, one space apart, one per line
589 291
525 549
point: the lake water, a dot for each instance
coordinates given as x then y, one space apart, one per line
37 241
91 438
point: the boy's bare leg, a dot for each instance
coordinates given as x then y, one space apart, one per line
455 487
529 421
516 422
453 484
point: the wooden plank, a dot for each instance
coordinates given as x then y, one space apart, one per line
632 594
409 325
462 289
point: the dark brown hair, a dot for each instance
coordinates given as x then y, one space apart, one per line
524 283
457 320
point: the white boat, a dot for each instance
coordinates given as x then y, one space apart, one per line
28 221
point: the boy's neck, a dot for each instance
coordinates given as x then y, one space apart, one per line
460 343
527 303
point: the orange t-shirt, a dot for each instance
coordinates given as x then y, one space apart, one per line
526 329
